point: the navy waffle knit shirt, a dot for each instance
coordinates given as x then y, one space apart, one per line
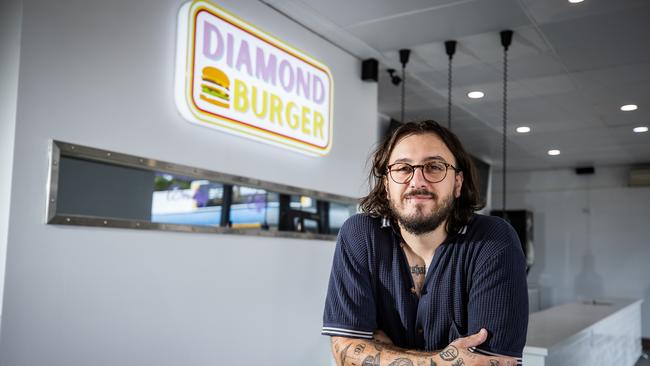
477 279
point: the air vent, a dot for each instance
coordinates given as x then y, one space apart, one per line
640 176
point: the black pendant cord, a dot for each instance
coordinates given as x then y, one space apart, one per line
449 96
403 90
506 39
505 128
450 49
404 55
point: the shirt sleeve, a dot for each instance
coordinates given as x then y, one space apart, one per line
350 306
498 299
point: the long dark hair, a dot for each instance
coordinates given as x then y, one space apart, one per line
376 202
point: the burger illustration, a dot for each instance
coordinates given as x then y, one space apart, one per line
215 87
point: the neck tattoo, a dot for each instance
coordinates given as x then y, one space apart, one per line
418 270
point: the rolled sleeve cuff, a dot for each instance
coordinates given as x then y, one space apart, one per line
346 332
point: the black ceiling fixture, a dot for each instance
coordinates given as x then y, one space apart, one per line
450 48
506 40
395 79
404 55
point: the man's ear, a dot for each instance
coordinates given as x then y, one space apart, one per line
458 184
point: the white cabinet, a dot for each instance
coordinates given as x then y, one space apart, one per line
603 332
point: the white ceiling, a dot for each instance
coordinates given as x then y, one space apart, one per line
571 66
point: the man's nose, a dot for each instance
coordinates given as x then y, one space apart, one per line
418 178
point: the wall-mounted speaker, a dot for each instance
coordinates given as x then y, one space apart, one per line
370 70
584 170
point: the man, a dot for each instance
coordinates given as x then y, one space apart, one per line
419 278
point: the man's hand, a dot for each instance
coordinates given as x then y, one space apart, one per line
381 352
471 340
458 352
381 337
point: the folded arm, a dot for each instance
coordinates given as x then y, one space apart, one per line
375 352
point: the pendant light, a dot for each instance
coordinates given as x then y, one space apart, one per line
404 59
450 48
506 40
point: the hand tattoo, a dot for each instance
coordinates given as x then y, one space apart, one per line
449 354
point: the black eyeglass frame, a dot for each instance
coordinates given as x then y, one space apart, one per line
421 166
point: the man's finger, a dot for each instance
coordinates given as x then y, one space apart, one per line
380 336
472 340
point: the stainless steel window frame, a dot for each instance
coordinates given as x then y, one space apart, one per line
59 149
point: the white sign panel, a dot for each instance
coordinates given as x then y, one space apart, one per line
236 78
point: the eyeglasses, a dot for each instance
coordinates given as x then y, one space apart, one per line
433 172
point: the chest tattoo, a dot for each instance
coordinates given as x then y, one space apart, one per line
418 270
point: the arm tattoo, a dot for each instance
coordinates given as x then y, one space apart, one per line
459 362
371 360
494 363
401 362
362 354
344 354
377 345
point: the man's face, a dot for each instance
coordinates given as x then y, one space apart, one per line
419 205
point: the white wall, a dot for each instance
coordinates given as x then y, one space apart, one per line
10 22
100 73
592 234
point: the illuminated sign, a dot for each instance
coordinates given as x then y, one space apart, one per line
236 78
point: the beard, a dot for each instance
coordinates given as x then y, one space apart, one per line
422 222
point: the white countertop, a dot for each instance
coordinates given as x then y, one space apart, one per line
555 325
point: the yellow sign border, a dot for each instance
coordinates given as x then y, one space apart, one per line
241 128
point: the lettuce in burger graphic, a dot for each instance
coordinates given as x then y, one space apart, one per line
215 86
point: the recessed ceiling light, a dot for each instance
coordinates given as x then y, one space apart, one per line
554 152
575 1
476 94
523 129
640 129
629 107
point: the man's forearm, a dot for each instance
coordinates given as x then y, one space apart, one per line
364 352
